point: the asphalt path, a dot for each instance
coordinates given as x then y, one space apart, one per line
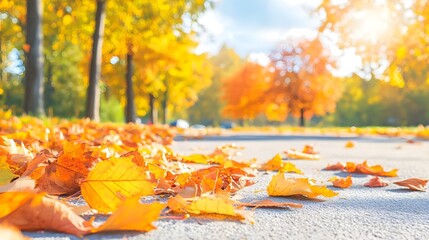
356 213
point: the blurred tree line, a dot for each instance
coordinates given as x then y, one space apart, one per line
122 60
141 61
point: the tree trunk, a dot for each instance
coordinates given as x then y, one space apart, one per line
131 108
153 114
93 91
33 99
165 105
301 118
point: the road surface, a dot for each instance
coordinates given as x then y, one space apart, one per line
356 213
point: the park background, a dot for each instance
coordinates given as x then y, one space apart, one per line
276 62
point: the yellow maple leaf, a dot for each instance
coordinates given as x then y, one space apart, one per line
277 164
214 204
132 216
112 181
6 174
281 186
196 158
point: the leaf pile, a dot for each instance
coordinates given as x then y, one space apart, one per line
113 166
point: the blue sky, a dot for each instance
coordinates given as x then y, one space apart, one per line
255 26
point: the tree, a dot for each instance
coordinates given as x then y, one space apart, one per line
243 92
33 100
208 109
302 79
93 91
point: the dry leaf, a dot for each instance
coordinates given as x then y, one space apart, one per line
196 158
375 170
267 203
333 167
214 204
293 154
32 212
277 164
6 174
309 149
416 184
351 167
281 186
375 182
341 182
350 144
19 185
132 216
112 181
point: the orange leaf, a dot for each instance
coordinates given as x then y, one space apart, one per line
416 184
132 216
281 186
267 203
350 144
375 182
375 170
342 182
333 167
32 211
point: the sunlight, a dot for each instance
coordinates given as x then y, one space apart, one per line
371 26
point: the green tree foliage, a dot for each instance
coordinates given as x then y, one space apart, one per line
208 109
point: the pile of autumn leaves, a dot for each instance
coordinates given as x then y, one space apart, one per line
113 166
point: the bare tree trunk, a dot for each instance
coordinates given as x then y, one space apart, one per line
131 108
93 91
33 99
153 113
301 118
165 106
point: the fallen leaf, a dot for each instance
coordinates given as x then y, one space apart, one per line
309 149
350 144
277 164
112 181
267 203
19 185
64 175
214 204
333 167
341 182
31 212
6 174
281 186
375 170
375 182
416 184
293 154
196 158
132 216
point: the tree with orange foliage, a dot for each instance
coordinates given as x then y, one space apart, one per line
302 79
243 91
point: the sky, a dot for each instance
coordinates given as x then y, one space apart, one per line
253 28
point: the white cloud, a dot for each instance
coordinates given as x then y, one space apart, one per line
260 58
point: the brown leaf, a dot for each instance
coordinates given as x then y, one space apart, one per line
416 184
333 167
375 182
32 212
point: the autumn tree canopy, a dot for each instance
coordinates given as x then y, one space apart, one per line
302 79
